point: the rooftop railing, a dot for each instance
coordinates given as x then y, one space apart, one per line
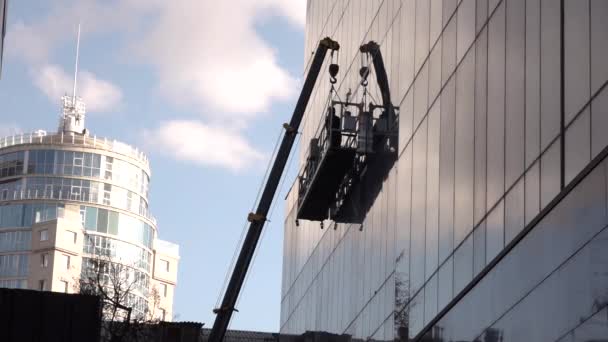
77 140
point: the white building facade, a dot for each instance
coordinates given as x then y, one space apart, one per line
68 198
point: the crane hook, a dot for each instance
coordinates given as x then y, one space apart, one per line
333 72
364 73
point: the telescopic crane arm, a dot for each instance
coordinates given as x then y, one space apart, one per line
258 219
373 49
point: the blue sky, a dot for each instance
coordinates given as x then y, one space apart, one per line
203 87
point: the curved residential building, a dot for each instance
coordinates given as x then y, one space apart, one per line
68 198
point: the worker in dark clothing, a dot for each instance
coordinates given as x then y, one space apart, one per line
332 122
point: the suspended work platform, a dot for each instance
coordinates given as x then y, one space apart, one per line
351 135
352 152
330 157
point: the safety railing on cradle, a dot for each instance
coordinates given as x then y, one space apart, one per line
78 140
22 195
339 128
354 131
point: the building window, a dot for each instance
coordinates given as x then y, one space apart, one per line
44 260
107 193
66 261
164 264
65 286
41 285
161 314
109 164
129 200
70 236
44 235
163 289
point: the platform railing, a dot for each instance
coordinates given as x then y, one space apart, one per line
346 134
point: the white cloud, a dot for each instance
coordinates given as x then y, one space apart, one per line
36 41
293 10
205 145
28 43
208 53
99 95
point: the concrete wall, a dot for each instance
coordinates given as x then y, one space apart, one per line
65 240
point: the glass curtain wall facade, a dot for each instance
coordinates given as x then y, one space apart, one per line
490 226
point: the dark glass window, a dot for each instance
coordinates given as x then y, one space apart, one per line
436 20
449 49
599 44
496 106
532 81
423 11
404 196
432 190
435 72
576 56
493 4
11 164
465 27
515 91
417 261
532 200
446 283
550 70
395 64
549 174
495 225
595 328
446 171
449 6
479 248
391 223
421 94
408 27
41 161
514 211
578 151
599 119
482 14
406 116
481 94
416 310
430 299
463 264
464 147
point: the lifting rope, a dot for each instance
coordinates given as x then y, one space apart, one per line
246 223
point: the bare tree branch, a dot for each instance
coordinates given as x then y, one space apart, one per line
128 306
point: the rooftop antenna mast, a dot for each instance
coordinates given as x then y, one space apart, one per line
72 117
76 65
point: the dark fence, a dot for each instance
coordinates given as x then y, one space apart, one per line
37 316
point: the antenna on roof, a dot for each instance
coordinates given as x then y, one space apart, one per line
71 120
76 65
